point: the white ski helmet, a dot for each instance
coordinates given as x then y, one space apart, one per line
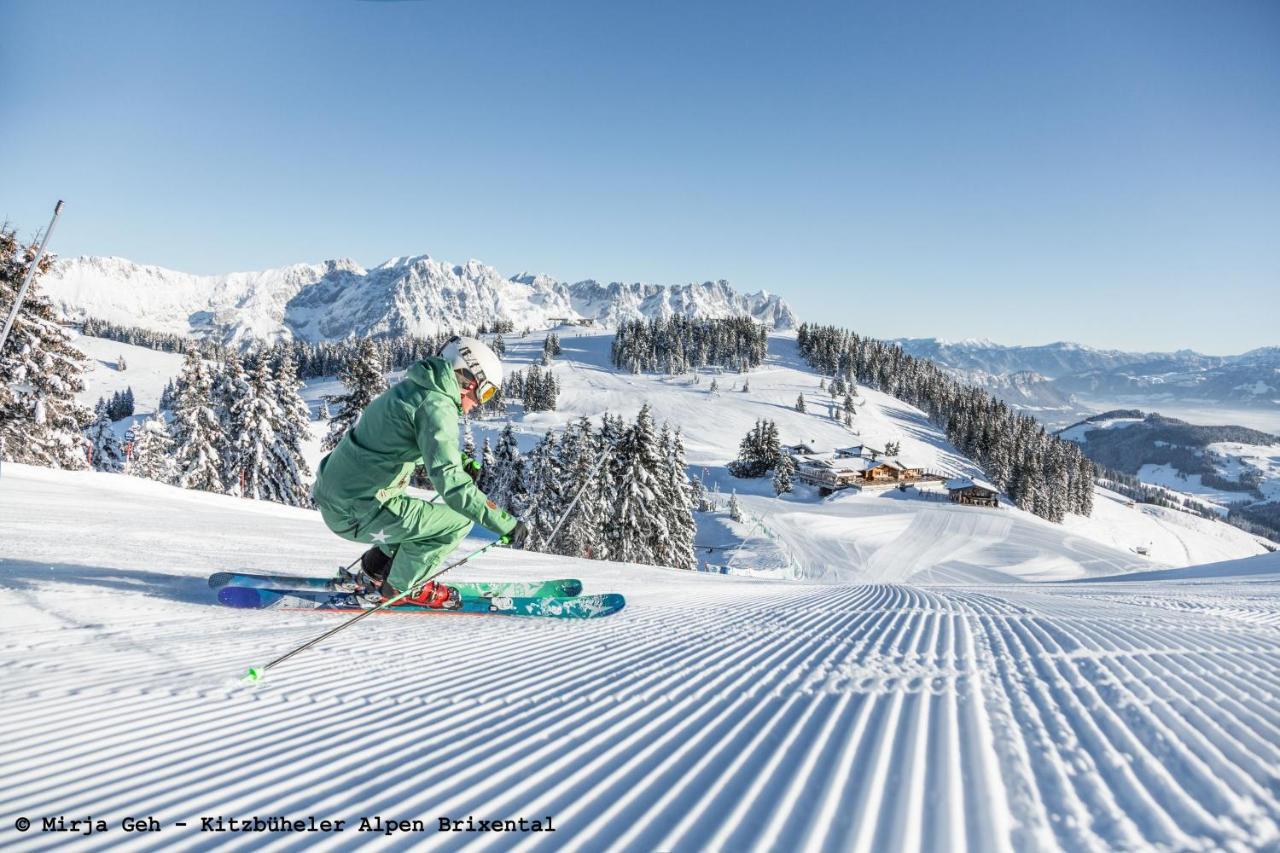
474 358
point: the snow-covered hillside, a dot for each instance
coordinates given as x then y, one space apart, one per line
713 713
338 299
874 536
887 536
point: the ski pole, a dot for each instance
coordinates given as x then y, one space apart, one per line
31 272
256 673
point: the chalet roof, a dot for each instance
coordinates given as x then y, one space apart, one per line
969 483
859 449
807 448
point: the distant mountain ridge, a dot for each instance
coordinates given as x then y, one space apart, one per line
339 299
1068 371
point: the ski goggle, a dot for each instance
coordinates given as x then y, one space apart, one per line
484 389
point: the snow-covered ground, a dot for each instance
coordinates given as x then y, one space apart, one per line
888 536
938 689
713 713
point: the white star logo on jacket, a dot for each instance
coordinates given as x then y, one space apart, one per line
380 537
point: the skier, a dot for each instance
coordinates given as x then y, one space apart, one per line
360 486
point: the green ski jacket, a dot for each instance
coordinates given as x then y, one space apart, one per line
416 420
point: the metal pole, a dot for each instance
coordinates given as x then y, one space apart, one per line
31 272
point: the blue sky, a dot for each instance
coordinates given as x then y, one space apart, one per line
1101 172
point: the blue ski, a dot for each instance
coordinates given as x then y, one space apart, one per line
577 607
558 588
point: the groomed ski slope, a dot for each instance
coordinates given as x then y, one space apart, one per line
714 713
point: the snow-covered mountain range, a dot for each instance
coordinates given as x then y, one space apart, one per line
1063 381
339 299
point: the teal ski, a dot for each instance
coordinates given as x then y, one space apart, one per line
576 607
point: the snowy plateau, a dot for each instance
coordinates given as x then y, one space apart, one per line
875 671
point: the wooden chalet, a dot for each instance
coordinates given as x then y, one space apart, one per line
831 473
966 490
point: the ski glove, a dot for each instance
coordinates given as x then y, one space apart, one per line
518 537
472 468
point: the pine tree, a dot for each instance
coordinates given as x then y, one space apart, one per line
363 379
545 487
715 386
735 508
41 423
267 466
800 403
468 440
503 485
152 451
579 455
293 431
746 386
488 467
106 453
127 406
229 388
638 527
782 475
197 429
679 499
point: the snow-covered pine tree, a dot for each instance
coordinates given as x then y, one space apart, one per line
501 476
152 455
544 484
324 410
197 429
582 532
782 475
105 450
294 429
746 386
800 403
612 432
268 470
735 508
468 440
363 378
488 465
121 364
41 423
641 524
229 386
676 548
771 446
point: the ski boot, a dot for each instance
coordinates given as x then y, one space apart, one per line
432 594
367 578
